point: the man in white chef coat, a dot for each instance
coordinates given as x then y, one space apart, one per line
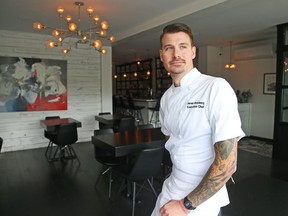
199 117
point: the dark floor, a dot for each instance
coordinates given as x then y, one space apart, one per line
30 186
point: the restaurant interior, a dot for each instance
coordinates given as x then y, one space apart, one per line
113 80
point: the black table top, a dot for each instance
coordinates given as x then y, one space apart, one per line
127 142
51 124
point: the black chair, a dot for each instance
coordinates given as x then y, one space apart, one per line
125 109
106 160
155 113
1 142
67 135
167 164
117 105
146 165
126 124
49 135
135 110
102 125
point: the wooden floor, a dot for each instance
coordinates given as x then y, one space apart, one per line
30 186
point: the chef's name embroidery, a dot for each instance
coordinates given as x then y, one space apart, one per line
195 105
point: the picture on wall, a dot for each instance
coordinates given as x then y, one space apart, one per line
32 84
269 86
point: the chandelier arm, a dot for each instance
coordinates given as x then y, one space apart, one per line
63 31
69 35
89 31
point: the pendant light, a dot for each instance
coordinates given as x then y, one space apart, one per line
230 65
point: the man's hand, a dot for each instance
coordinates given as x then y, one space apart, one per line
174 208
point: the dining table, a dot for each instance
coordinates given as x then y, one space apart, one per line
51 124
128 142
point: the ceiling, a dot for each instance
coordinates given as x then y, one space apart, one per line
138 24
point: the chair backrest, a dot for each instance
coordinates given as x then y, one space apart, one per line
67 134
126 124
102 125
1 142
116 101
147 164
99 153
130 102
124 105
52 117
104 113
46 133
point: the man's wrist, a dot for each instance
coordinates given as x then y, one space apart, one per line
188 204
187 211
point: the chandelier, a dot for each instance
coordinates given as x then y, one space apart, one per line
230 65
69 34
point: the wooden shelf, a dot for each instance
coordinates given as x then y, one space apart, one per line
134 78
163 79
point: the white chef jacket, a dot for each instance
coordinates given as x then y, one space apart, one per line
197 114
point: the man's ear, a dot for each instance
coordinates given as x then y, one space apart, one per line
194 52
160 53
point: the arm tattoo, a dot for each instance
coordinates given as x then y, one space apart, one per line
225 148
218 174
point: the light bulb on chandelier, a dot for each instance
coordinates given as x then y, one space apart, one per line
72 34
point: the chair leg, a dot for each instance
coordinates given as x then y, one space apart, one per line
109 169
48 151
55 153
47 148
63 152
73 154
110 183
133 198
70 152
157 119
151 118
140 116
149 182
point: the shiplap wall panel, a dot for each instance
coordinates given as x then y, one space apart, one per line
22 130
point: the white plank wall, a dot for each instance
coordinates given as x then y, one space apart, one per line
87 70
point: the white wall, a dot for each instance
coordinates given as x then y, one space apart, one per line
249 74
89 90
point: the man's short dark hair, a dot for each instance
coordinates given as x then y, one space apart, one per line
175 28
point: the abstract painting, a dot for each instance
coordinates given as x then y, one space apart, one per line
31 84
